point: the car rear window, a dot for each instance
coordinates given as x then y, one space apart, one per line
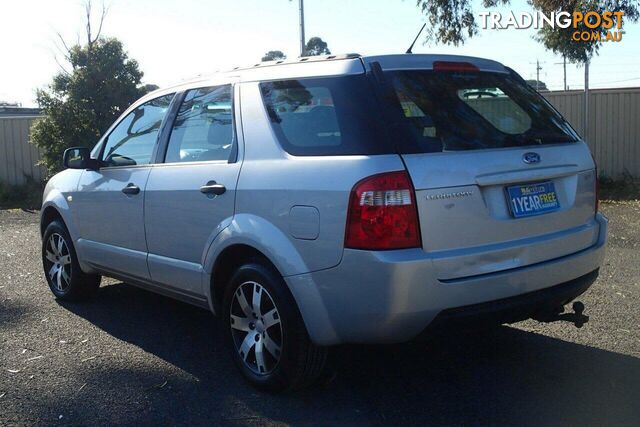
326 116
472 110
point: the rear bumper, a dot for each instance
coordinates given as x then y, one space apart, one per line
392 296
513 309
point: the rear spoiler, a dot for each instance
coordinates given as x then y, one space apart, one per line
430 62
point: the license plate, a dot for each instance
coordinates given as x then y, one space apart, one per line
532 199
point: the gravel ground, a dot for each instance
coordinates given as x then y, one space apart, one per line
131 357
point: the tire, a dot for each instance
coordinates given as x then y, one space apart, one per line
274 328
61 269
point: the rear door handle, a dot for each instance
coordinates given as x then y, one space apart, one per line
131 189
213 187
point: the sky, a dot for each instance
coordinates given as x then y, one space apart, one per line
177 40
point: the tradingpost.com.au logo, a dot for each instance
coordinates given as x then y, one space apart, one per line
589 23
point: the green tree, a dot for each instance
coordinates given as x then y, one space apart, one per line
148 88
274 55
560 40
453 21
82 101
540 84
316 46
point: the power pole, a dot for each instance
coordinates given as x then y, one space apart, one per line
302 39
564 67
538 68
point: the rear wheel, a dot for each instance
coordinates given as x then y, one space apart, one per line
268 339
61 269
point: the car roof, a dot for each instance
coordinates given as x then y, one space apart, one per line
322 66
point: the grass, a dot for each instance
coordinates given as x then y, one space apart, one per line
25 196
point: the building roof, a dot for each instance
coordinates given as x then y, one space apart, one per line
19 111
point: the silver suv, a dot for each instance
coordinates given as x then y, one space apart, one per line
339 199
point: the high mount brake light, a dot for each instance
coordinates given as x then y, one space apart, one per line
383 214
462 67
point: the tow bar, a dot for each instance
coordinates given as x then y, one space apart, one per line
577 317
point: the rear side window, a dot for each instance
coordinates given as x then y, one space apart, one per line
472 110
325 116
203 129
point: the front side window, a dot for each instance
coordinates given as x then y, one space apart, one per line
132 141
472 110
203 129
325 116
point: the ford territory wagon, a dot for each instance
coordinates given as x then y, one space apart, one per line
328 200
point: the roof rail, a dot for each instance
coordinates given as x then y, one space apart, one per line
298 60
302 60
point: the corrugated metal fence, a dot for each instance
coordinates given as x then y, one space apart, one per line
614 134
17 157
614 126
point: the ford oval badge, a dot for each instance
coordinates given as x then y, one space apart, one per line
531 157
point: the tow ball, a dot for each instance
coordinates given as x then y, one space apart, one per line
577 317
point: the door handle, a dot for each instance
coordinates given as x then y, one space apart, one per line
213 187
131 189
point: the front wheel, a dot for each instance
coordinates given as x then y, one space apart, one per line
266 333
61 269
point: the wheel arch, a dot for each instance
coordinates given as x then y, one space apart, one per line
55 207
246 237
48 215
229 260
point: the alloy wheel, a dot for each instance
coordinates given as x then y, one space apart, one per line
256 328
58 263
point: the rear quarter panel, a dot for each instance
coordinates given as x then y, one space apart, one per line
272 182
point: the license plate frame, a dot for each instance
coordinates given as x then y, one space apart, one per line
532 199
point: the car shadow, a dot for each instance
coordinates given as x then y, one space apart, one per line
505 376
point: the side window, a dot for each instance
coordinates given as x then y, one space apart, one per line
329 116
203 129
131 142
305 114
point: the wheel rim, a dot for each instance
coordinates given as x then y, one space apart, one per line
256 328
58 263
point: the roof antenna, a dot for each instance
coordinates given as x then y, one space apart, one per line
416 39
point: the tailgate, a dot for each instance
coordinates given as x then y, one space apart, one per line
466 220
502 180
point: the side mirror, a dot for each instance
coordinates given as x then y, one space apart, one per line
78 158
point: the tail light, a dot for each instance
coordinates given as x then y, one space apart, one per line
382 213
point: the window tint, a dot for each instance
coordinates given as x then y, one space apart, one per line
325 116
465 111
203 129
133 139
